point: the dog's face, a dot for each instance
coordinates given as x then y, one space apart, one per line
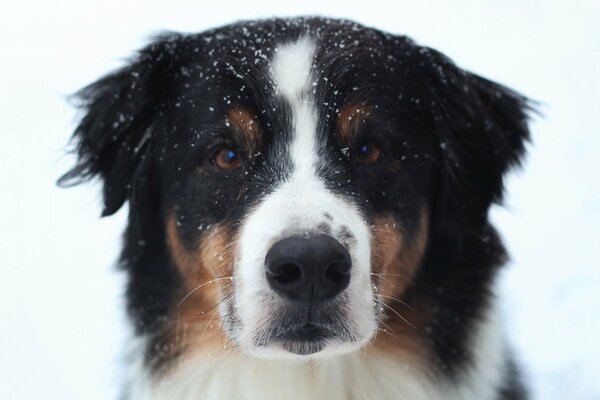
286 179
286 185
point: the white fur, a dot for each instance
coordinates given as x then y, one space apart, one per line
291 68
345 377
298 206
358 375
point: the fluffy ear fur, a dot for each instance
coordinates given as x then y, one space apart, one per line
113 140
482 130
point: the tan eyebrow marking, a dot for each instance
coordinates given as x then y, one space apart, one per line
244 123
349 119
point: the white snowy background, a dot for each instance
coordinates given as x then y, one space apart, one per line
61 321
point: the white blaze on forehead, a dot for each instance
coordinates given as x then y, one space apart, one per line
291 68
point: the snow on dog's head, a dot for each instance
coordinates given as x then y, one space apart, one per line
297 186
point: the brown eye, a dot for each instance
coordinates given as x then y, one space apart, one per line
226 159
369 152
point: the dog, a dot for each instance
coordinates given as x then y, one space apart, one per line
308 213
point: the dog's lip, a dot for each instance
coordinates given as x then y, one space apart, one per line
304 340
307 333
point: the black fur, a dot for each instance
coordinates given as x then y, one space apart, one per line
449 136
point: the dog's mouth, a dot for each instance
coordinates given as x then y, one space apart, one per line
307 337
293 330
304 340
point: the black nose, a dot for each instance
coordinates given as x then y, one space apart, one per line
308 268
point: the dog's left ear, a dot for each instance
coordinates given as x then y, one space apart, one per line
113 138
482 130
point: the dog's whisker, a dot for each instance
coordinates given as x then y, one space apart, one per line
202 285
385 325
395 312
400 275
229 296
208 324
382 278
398 300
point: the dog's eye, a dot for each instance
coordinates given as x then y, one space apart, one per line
369 152
226 158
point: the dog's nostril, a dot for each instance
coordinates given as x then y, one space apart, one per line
286 274
309 268
336 272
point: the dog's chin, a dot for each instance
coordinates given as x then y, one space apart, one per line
301 350
305 340
304 343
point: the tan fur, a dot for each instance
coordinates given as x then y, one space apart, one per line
206 270
349 119
395 263
244 123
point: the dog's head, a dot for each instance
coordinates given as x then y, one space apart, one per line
288 180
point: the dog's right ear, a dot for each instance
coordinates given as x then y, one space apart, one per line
113 140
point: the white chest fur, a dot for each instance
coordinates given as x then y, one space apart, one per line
349 377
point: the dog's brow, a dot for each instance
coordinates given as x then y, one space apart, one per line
244 122
349 118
